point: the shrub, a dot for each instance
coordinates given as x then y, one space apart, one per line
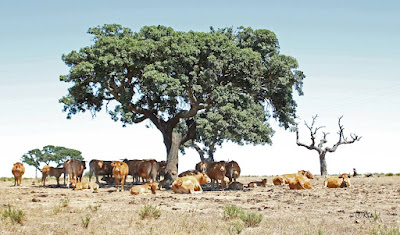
86 221
232 211
149 211
389 174
16 216
251 219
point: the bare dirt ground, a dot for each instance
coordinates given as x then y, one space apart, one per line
370 206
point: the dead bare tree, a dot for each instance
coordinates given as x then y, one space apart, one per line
320 148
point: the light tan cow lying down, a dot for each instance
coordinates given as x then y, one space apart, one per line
190 184
299 182
341 181
144 189
85 185
282 179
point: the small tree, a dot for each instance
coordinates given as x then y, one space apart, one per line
49 154
323 150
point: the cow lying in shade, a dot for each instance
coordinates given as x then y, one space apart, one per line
85 185
262 183
343 181
190 184
144 189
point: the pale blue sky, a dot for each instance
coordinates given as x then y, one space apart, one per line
348 51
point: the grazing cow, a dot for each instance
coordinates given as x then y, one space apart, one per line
99 167
144 189
201 166
343 181
190 184
262 183
232 170
299 182
235 186
74 170
52 171
18 170
216 171
120 172
278 180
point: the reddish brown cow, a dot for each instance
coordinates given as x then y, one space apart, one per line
52 171
99 167
262 183
216 171
133 167
161 169
74 169
232 170
18 170
120 172
148 170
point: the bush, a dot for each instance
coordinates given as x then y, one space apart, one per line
389 174
149 211
385 230
250 219
16 216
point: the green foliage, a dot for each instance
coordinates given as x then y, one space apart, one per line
86 221
385 230
16 216
149 211
231 81
250 219
389 174
49 154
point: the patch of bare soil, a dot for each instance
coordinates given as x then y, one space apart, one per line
371 205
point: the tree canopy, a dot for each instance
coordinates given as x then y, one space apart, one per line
169 76
48 154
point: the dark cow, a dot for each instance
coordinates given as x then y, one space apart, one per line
133 166
52 171
148 170
201 166
232 170
74 169
99 167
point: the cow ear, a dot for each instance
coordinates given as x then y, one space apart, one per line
112 164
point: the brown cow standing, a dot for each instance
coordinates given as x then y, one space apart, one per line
201 166
120 172
133 166
74 169
52 171
99 167
148 170
18 170
216 171
232 170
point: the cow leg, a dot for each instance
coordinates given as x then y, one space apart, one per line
58 181
44 180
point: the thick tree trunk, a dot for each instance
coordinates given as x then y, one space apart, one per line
322 163
172 142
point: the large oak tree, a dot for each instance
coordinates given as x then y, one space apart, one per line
169 77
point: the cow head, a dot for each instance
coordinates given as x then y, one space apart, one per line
117 165
204 179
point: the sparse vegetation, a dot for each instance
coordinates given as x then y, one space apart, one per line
250 219
385 230
86 221
16 216
149 211
94 208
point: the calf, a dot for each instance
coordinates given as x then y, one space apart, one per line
232 170
216 171
190 184
85 185
18 170
120 172
52 171
343 181
144 189
262 183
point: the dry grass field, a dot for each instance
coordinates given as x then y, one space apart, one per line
370 206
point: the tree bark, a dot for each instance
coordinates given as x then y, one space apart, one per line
322 163
172 142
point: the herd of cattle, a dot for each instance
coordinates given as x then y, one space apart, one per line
147 176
